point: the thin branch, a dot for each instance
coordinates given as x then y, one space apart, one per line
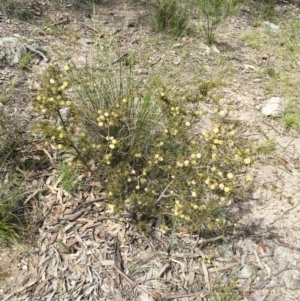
32 49
162 195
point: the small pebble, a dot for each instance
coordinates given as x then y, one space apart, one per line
257 80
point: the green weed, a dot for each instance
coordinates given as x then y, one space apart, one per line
171 16
252 39
267 147
145 146
68 177
22 10
214 12
227 291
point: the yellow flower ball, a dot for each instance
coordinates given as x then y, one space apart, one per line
67 68
247 160
59 146
248 178
230 175
52 81
179 164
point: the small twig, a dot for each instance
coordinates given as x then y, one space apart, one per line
277 219
120 58
175 296
65 21
163 193
93 29
32 49
261 286
205 241
282 242
133 284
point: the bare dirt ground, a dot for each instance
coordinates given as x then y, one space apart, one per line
259 260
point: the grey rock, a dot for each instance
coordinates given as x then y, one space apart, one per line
226 251
285 255
291 278
257 80
11 51
274 107
271 27
64 112
246 272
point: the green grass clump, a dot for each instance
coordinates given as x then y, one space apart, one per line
151 151
11 193
227 291
68 177
10 199
267 147
292 121
214 13
171 16
22 10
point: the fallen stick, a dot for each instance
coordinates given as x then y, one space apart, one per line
40 53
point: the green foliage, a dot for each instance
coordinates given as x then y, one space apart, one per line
265 8
171 16
214 12
291 120
227 291
252 39
17 9
26 60
10 193
68 177
154 162
267 147
10 197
